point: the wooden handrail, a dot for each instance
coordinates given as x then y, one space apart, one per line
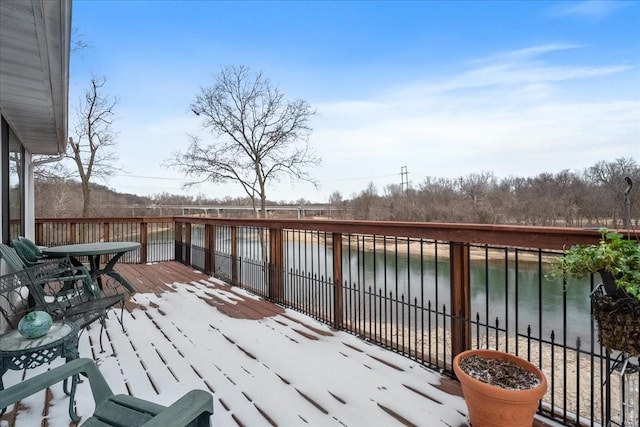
504 235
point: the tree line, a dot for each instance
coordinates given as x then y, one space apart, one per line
593 197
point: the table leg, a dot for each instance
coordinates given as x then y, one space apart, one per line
109 270
114 274
2 410
94 269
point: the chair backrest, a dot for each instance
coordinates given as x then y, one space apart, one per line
15 300
58 284
27 256
34 248
65 291
10 256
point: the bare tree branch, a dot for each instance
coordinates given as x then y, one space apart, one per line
91 149
259 135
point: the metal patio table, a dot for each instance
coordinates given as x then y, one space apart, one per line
18 352
93 251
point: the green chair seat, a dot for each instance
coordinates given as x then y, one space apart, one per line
194 409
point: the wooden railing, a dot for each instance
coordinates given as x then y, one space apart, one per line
460 237
155 234
425 290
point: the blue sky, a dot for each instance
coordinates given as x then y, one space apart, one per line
446 89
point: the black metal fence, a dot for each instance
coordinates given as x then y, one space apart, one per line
396 293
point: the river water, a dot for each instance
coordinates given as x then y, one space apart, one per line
499 290
513 291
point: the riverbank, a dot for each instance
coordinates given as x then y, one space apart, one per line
417 247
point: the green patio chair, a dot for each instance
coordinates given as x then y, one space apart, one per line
68 292
30 254
31 245
10 256
64 290
25 253
16 263
194 409
16 302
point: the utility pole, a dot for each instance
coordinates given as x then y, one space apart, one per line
404 179
627 204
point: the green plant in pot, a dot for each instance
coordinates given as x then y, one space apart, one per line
616 303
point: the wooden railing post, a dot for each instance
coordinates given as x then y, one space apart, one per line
234 255
336 241
460 297
209 248
212 246
276 265
72 233
178 250
39 237
187 243
105 232
143 241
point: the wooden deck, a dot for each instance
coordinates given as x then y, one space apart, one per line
167 347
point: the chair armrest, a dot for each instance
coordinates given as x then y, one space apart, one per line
62 270
99 387
193 409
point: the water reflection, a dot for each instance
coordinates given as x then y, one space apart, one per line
499 290
502 290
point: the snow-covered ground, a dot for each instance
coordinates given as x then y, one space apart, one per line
284 370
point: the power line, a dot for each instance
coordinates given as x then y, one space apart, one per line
125 175
359 178
324 180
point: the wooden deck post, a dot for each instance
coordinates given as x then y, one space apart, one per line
72 233
105 232
178 242
338 290
187 243
234 255
144 228
460 297
209 248
276 265
39 237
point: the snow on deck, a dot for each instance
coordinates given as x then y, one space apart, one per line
264 365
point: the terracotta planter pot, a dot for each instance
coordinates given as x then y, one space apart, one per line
493 406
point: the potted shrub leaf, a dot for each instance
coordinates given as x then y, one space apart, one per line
500 389
616 302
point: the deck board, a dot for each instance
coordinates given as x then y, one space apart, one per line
156 356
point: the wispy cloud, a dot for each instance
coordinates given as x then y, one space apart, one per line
520 67
592 9
514 114
527 53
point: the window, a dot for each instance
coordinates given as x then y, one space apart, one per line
12 158
16 187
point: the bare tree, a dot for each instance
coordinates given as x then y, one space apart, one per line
77 41
94 138
259 136
610 176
